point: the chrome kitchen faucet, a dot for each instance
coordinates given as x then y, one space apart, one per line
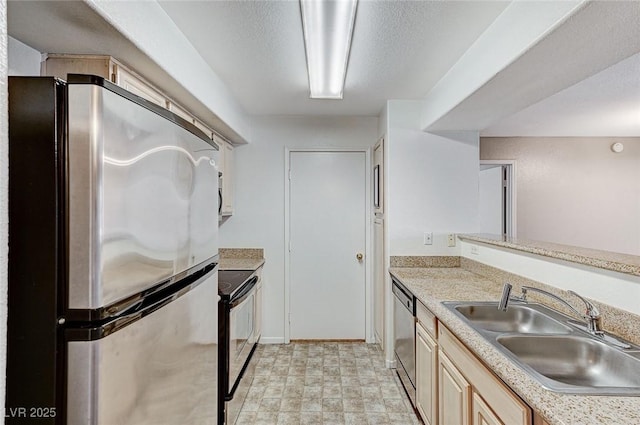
592 318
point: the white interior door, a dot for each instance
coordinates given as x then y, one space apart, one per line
327 217
491 202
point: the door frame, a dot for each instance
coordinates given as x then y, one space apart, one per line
512 215
368 272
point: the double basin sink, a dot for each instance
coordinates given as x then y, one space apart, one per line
554 350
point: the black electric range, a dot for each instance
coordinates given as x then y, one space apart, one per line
231 281
238 337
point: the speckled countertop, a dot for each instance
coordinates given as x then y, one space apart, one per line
241 258
618 262
434 285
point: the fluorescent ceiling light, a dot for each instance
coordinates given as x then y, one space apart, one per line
327 27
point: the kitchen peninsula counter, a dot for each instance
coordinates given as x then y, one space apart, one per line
432 285
613 261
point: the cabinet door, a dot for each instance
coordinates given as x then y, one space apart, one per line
426 376
504 403
179 111
378 280
135 85
203 127
61 65
227 179
454 394
258 311
482 414
378 176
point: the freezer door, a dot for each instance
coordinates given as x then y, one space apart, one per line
142 197
159 370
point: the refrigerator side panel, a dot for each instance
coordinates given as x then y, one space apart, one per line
143 203
36 148
159 370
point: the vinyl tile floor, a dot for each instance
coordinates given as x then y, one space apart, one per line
324 383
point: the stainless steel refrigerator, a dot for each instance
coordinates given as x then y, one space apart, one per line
113 251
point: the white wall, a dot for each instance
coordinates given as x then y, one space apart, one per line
258 219
23 59
432 183
151 30
4 201
575 191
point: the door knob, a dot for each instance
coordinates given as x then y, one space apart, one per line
359 256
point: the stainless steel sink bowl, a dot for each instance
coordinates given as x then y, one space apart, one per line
521 318
570 361
560 356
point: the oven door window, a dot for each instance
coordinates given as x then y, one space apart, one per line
241 337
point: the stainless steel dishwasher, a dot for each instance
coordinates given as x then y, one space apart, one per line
404 340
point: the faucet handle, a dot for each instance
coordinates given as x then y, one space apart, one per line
592 316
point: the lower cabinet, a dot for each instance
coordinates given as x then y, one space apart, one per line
258 304
454 394
453 387
481 414
426 376
488 399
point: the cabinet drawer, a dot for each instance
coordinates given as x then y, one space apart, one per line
507 405
427 319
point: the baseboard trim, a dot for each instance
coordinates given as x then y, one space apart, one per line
326 340
271 340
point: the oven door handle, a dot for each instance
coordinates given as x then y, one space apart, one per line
238 299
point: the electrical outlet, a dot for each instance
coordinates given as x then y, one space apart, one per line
451 239
428 238
475 250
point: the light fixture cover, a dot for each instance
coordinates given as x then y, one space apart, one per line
327 27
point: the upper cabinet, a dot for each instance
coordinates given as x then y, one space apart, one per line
378 177
56 65
226 167
59 65
136 85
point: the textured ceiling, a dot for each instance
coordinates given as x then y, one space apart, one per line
605 104
400 50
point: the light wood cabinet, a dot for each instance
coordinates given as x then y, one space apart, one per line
136 85
206 130
426 376
454 394
226 167
379 275
258 309
378 280
103 66
61 65
378 176
481 414
183 113
497 398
